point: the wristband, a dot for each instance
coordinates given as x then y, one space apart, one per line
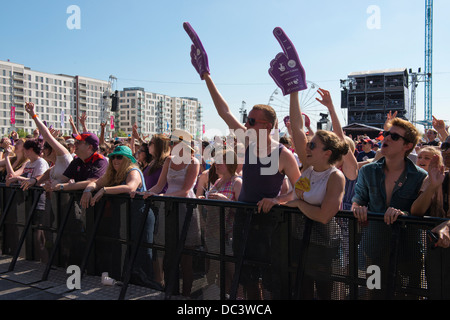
34 116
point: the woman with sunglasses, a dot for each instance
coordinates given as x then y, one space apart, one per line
179 173
123 176
319 192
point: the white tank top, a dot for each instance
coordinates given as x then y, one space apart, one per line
314 185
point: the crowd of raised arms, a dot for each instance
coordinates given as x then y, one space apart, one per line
397 171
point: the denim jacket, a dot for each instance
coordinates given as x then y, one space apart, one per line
370 187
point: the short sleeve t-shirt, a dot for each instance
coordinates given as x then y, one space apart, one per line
61 164
92 168
35 169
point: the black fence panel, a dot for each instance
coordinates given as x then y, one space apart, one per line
217 250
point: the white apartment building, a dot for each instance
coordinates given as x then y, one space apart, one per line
55 96
158 113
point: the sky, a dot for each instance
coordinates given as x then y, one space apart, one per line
143 44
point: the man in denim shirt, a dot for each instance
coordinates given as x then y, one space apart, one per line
390 186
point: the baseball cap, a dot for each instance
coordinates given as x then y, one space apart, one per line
369 141
123 151
88 137
70 141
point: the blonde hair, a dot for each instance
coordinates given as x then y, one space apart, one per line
115 178
351 143
433 151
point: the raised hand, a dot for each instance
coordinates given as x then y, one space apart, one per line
29 107
286 69
199 58
326 98
389 117
438 124
436 172
83 118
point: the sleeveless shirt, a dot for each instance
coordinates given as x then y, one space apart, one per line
256 186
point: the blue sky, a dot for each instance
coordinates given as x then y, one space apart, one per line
143 44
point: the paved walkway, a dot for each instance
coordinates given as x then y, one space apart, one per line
25 283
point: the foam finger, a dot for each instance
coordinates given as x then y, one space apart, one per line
285 43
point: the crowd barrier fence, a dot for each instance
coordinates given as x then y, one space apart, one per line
286 255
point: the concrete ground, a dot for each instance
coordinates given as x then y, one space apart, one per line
25 283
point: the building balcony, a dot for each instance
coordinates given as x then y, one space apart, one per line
18 84
18 76
19 101
20 116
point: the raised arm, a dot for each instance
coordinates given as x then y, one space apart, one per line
289 75
221 105
83 118
298 133
432 184
45 132
199 60
439 126
350 165
102 132
72 124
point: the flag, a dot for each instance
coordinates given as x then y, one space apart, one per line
62 118
13 115
112 122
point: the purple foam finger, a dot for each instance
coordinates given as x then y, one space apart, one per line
286 69
199 58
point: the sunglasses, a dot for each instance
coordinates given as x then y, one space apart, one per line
311 145
253 121
118 157
394 136
445 146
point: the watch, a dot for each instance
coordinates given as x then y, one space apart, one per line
61 187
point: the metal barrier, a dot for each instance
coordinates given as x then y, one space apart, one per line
283 254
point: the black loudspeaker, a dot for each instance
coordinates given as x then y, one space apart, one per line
115 101
344 95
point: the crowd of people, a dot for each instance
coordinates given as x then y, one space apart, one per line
397 173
